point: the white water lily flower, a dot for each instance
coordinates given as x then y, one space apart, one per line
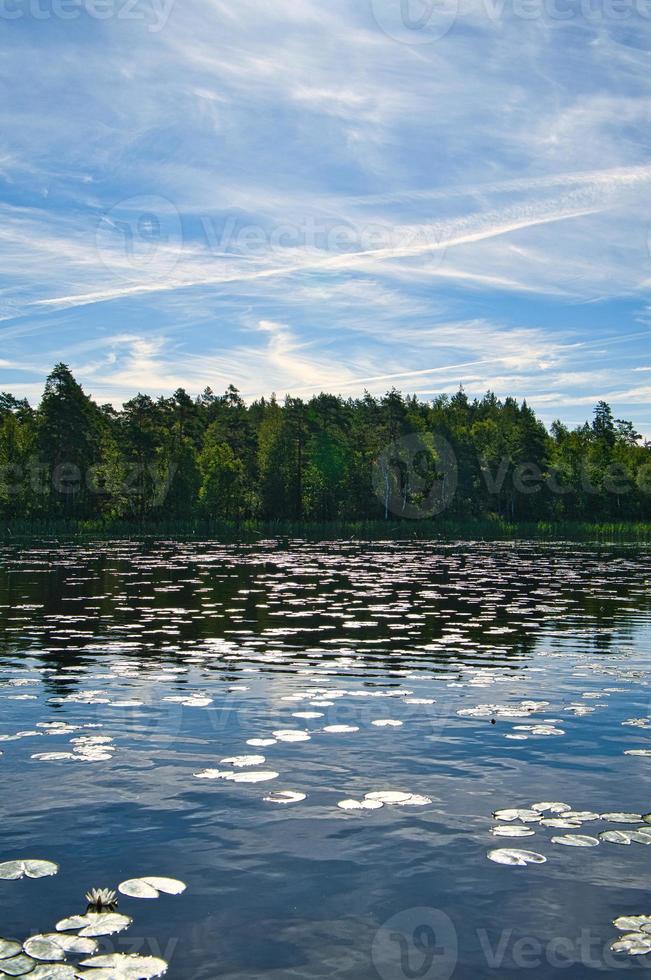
340 729
125 966
386 723
14 870
514 856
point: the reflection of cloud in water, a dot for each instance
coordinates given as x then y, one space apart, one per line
425 683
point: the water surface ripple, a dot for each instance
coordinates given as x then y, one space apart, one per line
469 678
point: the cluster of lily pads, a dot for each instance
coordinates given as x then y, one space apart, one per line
316 697
636 940
514 823
86 748
491 584
45 956
379 798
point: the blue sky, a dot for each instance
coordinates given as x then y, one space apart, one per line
293 195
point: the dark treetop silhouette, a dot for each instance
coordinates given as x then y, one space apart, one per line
216 457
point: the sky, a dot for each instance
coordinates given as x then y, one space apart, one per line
294 196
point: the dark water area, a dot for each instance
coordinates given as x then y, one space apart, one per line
501 675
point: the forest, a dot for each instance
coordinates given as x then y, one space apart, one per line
328 458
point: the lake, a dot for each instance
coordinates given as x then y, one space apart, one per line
429 684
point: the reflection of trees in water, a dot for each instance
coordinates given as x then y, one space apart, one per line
118 594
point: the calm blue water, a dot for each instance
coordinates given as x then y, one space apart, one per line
102 635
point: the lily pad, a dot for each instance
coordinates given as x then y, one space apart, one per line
513 856
506 831
291 735
137 888
169 886
14 870
576 840
44 948
634 943
284 797
241 761
583 816
17 966
360 804
622 817
615 837
415 799
53 971
390 797
95 924
125 966
255 776
211 774
631 923
9 948
525 815
560 822
550 807
641 835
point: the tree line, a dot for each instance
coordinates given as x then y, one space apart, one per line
323 459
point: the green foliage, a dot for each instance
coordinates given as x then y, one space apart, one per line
327 462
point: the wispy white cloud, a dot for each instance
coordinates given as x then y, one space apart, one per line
506 191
